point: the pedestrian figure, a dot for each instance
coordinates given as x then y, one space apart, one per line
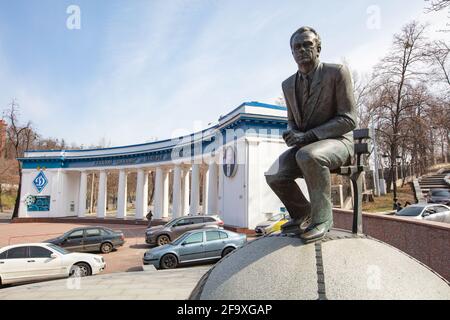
397 206
149 217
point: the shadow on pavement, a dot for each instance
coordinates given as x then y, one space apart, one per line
135 269
141 246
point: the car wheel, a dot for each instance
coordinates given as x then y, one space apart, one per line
80 269
162 240
169 261
227 251
106 247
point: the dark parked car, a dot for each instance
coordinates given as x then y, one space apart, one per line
439 196
195 246
161 235
90 239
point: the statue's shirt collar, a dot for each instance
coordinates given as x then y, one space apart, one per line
310 74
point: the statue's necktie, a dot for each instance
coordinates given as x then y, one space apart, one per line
306 88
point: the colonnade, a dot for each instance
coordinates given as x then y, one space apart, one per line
185 197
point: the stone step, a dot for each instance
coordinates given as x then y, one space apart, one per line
433 184
433 187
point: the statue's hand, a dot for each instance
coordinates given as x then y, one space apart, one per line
298 138
294 138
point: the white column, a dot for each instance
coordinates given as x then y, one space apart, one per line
205 190
144 196
101 199
185 192
158 197
165 209
176 205
82 195
195 189
122 195
220 198
213 189
141 194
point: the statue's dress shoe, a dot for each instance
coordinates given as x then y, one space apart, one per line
296 226
316 232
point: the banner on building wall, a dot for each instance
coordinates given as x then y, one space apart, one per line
38 203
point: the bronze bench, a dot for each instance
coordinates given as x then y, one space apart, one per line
354 172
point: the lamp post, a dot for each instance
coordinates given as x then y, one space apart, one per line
399 164
376 178
383 162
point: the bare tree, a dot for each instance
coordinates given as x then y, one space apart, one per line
20 137
8 176
393 87
361 91
438 55
436 5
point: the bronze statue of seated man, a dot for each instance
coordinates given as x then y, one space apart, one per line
321 116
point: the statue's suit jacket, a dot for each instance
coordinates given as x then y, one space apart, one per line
330 111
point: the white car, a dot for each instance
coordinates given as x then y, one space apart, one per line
426 211
44 261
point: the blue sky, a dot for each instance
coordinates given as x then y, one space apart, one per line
139 70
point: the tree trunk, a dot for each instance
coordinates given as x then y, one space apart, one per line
1 204
17 204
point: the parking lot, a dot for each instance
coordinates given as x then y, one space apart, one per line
126 258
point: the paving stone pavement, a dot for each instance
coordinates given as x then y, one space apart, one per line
174 284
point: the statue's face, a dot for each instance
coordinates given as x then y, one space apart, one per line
304 48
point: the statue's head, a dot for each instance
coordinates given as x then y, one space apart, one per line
305 47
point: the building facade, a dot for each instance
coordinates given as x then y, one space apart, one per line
232 156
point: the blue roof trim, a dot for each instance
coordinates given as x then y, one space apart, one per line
245 122
255 104
264 105
128 146
252 103
237 123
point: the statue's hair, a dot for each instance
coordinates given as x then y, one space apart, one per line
306 29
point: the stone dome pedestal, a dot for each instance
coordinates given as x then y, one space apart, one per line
341 266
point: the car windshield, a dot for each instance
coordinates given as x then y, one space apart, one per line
410 211
67 233
170 223
59 249
440 193
180 239
276 217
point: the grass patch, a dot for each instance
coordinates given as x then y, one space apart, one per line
384 203
436 167
8 201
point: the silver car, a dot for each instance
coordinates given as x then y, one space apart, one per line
425 211
195 246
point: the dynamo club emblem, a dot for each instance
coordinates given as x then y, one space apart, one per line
229 162
40 181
